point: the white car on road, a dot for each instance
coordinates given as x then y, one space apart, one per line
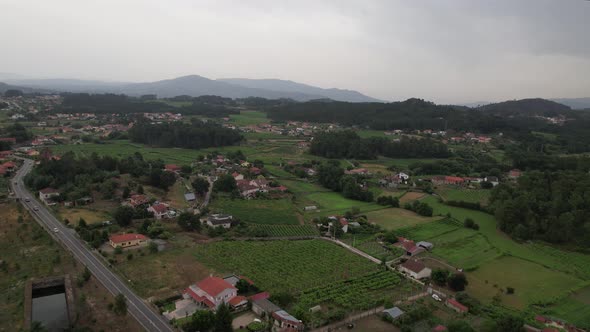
55 230
436 297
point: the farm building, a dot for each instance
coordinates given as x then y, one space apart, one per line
211 292
189 197
439 328
455 305
220 220
492 179
137 200
425 245
310 208
415 269
393 313
172 168
127 240
263 307
450 180
409 246
284 320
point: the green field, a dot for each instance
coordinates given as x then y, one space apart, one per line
302 187
575 309
553 273
428 231
258 211
395 218
332 201
246 118
285 266
467 195
532 282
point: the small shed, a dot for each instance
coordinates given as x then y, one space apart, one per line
393 313
189 197
426 245
310 208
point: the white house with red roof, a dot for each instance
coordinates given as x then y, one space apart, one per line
127 240
409 246
46 195
160 210
172 168
211 292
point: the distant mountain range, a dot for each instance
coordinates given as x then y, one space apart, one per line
574 103
194 85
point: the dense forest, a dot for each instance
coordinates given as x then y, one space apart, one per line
80 177
550 206
347 144
515 119
331 176
195 135
210 106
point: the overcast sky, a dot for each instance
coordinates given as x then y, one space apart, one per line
441 50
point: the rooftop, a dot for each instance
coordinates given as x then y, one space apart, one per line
413 265
214 285
118 238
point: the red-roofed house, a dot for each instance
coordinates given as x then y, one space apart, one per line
255 171
357 171
409 246
455 305
11 140
344 224
514 174
159 210
237 176
451 180
127 240
5 154
172 168
212 292
439 328
137 200
238 302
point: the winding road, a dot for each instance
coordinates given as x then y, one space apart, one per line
137 307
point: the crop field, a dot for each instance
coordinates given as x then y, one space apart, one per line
410 196
286 230
467 195
532 282
258 211
427 231
376 250
302 187
246 118
359 293
395 218
574 308
90 216
285 266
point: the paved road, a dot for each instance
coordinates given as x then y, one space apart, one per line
140 310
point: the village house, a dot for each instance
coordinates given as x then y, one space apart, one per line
5 154
415 269
455 305
172 168
492 179
127 240
514 174
160 210
449 180
409 246
47 195
137 200
357 171
237 176
211 292
219 220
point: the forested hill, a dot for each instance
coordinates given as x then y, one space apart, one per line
527 107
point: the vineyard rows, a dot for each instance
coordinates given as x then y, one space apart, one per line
286 230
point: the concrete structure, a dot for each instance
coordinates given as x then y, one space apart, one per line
393 313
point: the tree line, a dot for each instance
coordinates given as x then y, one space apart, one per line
331 176
195 135
347 144
549 206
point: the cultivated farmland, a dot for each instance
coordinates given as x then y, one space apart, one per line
285 266
258 211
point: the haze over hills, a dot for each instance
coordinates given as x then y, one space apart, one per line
574 103
195 85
